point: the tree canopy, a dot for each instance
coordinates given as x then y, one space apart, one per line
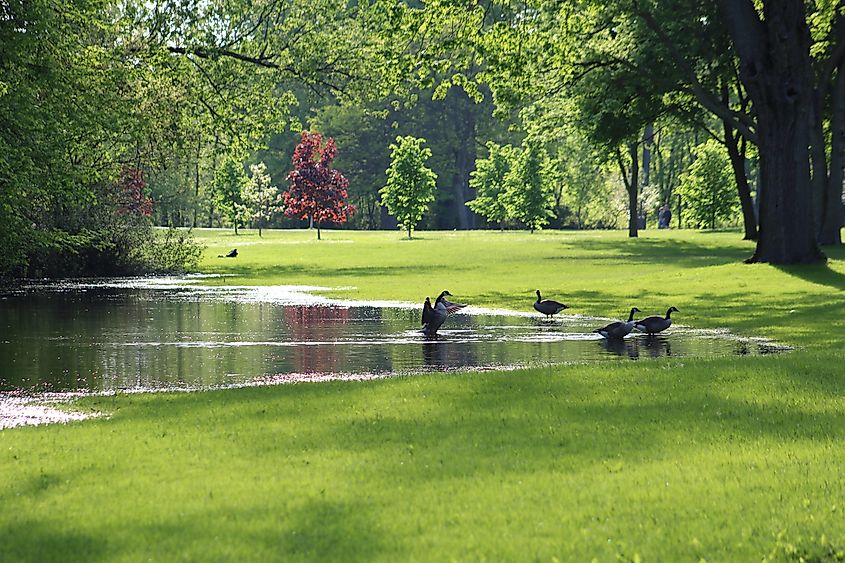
174 89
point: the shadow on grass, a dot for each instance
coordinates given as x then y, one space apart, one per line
821 274
480 424
682 253
310 465
317 272
42 542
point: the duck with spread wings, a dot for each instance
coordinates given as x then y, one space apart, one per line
433 316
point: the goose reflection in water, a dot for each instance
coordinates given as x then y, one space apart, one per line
434 354
619 346
445 353
653 346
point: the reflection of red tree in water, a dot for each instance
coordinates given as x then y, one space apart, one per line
316 325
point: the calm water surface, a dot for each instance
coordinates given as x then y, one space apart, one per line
162 333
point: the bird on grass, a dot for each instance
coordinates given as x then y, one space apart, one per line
547 306
433 316
655 324
619 329
232 254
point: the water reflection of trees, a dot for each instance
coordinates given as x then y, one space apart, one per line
319 324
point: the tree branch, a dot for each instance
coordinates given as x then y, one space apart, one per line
740 121
264 61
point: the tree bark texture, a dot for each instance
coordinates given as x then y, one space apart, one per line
631 185
775 68
818 164
737 157
830 231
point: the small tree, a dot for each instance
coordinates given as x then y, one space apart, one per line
707 187
527 197
410 183
132 197
317 191
488 181
261 198
227 187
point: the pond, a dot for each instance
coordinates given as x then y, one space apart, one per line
174 333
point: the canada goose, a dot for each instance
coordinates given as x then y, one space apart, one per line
547 306
655 324
434 317
619 329
232 254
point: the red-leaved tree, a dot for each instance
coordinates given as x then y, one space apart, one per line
317 191
130 194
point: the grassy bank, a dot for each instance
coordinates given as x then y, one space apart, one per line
672 459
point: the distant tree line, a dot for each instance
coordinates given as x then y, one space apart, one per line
598 114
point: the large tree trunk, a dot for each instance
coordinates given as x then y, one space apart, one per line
830 232
737 157
787 232
818 166
775 69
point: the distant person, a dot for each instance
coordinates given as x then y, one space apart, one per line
232 254
664 217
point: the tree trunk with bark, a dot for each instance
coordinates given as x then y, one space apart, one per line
736 151
631 186
831 212
775 68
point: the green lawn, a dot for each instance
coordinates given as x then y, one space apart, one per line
668 460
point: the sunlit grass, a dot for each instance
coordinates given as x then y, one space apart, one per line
670 459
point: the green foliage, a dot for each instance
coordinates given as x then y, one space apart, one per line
580 185
528 197
707 187
88 86
410 183
261 198
171 251
488 181
228 187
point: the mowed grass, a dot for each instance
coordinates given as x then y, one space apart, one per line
667 460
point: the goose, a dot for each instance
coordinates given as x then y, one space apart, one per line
231 254
655 324
618 329
433 317
547 306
